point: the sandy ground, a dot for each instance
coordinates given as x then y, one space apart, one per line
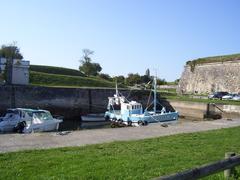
16 142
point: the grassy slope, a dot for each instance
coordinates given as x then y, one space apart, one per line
216 101
215 59
142 159
45 79
55 70
172 95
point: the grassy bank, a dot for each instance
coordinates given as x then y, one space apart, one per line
171 94
45 79
142 159
55 70
189 98
214 59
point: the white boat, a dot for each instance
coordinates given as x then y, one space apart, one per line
93 117
122 111
28 120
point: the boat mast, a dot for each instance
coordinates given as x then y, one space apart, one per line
116 89
155 95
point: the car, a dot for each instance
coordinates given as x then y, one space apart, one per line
236 97
217 95
228 96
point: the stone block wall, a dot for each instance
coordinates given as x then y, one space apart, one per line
210 77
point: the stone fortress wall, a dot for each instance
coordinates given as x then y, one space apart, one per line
210 77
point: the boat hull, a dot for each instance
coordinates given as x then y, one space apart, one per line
144 118
93 118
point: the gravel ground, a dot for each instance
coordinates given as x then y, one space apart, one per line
16 142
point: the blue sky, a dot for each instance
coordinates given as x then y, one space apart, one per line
126 35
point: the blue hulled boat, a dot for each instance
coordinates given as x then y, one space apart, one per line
131 113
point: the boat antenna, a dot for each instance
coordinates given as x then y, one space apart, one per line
117 89
155 94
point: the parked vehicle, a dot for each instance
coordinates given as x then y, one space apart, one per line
28 120
236 97
228 96
217 95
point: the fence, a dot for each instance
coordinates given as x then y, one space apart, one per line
227 165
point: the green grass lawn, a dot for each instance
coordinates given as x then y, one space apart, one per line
143 159
46 79
172 95
187 98
55 70
215 59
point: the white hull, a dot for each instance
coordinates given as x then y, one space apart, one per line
93 118
28 120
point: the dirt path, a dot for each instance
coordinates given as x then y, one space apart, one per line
16 142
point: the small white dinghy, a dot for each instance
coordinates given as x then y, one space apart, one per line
93 118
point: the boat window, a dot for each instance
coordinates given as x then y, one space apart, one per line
45 116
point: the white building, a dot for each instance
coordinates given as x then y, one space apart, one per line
19 73
2 64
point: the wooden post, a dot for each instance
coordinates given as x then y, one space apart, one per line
229 172
206 170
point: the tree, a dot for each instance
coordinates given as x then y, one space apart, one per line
87 66
176 81
147 73
10 51
161 82
105 76
145 79
133 79
119 79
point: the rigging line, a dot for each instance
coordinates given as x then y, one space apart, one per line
129 93
124 96
148 106
149 96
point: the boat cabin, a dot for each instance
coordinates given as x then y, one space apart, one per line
132 107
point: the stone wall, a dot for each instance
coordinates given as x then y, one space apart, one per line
69 102
74 102
210 77
197 110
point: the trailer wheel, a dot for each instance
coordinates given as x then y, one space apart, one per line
129 123
140 123
120 121
113 125
107 118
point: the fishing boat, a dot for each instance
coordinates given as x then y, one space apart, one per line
28 120
131 113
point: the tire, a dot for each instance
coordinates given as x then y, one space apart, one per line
140 123
113 125
129 123
107 118
120 121
20 127
114 119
